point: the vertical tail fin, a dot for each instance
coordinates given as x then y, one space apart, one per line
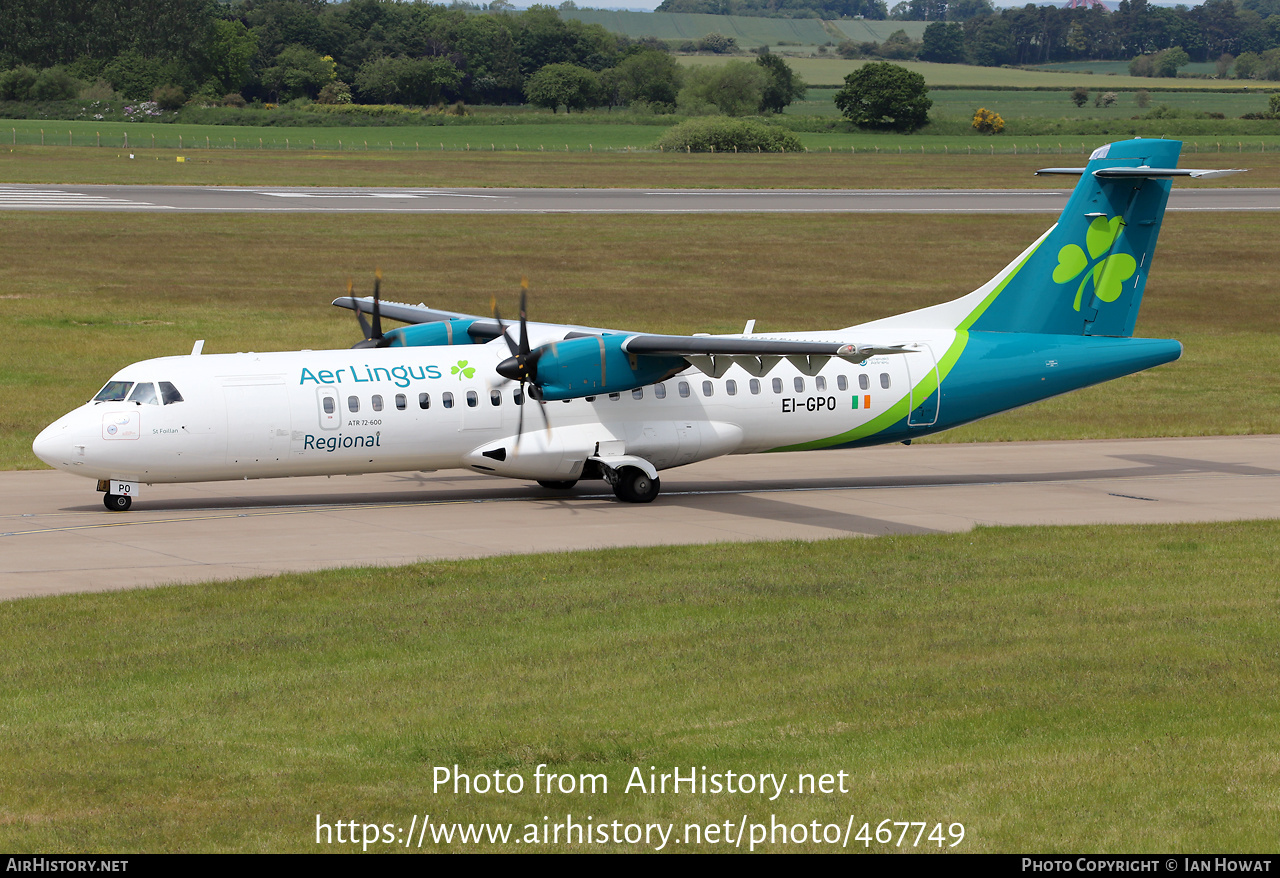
1087 275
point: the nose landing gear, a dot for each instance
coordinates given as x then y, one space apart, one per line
117 502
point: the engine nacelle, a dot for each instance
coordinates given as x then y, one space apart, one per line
592 365
421 335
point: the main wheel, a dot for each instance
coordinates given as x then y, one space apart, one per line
634 486
117 502
558 486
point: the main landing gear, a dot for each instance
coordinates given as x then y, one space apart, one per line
633 485
117 502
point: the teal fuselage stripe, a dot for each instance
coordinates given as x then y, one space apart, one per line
998 371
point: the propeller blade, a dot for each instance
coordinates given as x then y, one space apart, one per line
511 345
520 419
542 407
377 313
365 331
524 315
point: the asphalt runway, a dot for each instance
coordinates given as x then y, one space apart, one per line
272 199
56 537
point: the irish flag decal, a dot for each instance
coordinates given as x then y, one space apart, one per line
862 402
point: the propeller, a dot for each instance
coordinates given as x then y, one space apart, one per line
522 365
373 337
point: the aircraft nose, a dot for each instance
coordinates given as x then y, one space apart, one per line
53 445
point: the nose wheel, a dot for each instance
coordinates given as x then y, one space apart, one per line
117 502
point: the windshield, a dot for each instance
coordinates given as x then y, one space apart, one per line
169 393
144 394
115 391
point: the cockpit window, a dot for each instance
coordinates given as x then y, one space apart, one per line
169 393
115 391
144 394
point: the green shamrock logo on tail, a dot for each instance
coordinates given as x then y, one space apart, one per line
462 369
1108 274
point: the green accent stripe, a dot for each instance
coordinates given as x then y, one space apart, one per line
968 322
899 410
902 408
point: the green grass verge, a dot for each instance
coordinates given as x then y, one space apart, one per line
852 161
1084 689
86 294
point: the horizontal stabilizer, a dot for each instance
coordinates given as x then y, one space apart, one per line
1146 173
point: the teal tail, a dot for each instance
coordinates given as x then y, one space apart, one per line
1086 276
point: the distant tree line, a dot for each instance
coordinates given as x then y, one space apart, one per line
1158 39
974 32
367 51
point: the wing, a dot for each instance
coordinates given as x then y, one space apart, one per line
568 361
481 329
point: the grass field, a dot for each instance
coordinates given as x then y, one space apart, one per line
1015 106
1121 68
832 71
1036 122
880 162
749 31
85 295
1106 689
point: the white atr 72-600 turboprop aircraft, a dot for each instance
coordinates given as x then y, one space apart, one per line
450 390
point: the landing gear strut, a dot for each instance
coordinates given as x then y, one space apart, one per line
633 485
117 502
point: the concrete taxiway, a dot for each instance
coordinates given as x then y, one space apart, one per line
56 537
276 199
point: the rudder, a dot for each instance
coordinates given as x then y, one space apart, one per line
1088 274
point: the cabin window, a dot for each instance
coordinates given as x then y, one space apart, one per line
707 388
401 402
115 391
637 393
517 396
446 400
144 394
731 387
473 399
660 391
884 380
377 402
329 405
615 396
799 382
495 397
755 386
820 383
777 385
842 382
169 394
424 400
589 398
864 382
684 389
353 403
